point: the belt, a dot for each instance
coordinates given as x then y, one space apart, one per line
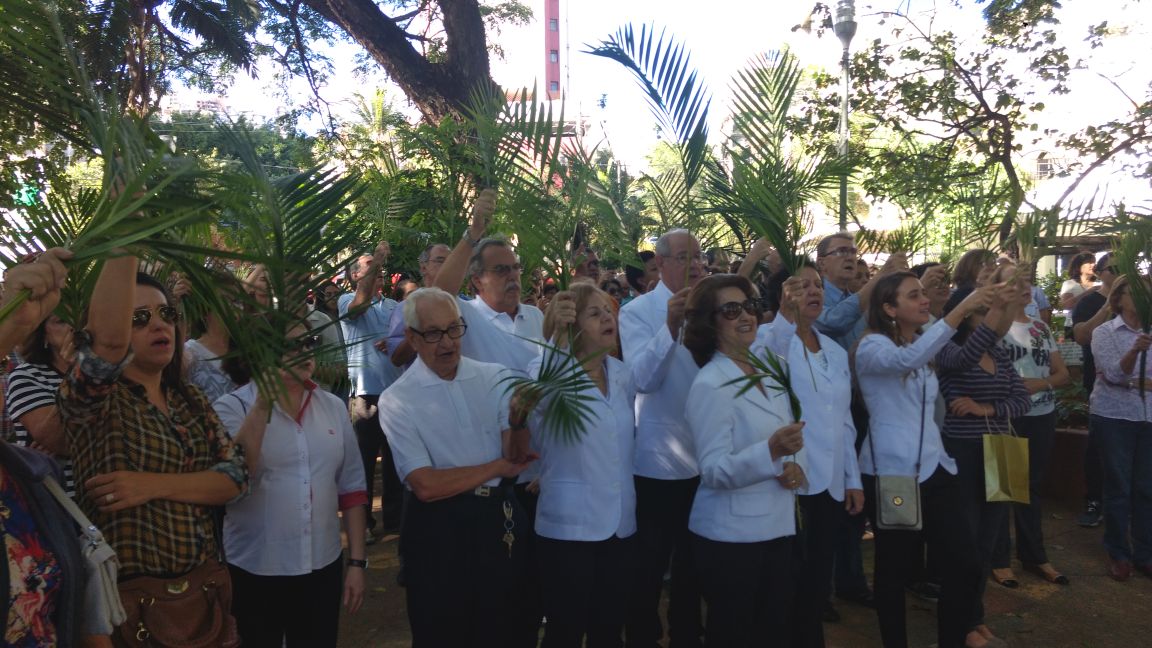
487 491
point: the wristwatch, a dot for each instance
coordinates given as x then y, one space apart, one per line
362 564
469 240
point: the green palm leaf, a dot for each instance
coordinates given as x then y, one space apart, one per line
559 388
772 372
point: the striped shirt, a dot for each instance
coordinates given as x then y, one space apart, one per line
111 425
32 387
961 375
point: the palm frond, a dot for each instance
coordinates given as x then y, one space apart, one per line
676 95
771 372
558 388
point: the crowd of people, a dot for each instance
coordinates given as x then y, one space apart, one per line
691 464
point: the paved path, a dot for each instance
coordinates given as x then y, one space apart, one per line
1093 612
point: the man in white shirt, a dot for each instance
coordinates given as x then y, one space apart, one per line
446 420
365 315
665 463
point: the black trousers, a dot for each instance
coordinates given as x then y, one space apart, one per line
750 591
461 580
984 517
369 436
585 587
1040 432
822 517
662 538
303 610
948 534
849 556
1093 466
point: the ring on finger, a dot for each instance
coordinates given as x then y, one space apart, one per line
109 498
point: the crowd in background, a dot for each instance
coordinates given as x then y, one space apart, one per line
688 462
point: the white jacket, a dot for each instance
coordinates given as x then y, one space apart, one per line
739 499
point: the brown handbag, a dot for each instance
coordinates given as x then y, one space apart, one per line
189 611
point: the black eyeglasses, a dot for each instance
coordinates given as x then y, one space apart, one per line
432 336
141 316
731 310
843 251
504 270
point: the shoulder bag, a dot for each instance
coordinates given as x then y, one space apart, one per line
898 496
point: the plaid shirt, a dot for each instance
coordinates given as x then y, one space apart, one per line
111 426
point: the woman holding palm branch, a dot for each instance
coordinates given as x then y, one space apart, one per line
586 516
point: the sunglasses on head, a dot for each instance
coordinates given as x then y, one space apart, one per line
141 316
731 310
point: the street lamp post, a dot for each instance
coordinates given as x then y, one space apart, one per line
844 24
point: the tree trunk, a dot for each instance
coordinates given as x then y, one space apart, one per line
438 89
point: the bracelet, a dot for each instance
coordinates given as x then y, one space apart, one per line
469 240
362 564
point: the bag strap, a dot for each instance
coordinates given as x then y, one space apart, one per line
90 530
920 447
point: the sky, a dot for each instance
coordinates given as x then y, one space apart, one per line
723 35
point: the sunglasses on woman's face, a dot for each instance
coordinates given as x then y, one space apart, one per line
731 310
141 316
306 343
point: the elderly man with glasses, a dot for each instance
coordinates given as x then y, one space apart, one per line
665 464
447 421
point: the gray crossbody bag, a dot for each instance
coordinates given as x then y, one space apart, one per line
898 496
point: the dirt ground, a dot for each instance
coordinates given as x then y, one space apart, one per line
1093 612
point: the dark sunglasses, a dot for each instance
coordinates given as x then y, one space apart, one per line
141 316
731 310
432 336
306 343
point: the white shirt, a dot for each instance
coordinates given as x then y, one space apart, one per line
823 383
896 382
664 371
369 370
435 423
586 488
739 499
498 338
309 468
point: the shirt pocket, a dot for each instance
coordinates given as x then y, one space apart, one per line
757 503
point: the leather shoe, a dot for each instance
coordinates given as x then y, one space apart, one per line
1008 579
1119 570
864 598
1145 569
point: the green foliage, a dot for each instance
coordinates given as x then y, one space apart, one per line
560 389
770 372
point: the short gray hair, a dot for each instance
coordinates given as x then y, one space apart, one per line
476 261
663 247
426 254
411 302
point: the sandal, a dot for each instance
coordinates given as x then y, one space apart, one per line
1005 578
1050 574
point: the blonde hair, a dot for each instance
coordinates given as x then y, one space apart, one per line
583 292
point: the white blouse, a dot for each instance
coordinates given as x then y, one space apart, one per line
309 469
586 488
900 390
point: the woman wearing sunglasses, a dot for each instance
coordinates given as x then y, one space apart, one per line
283 540
586 516
150 456
744 516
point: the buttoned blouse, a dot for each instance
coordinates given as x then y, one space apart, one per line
898 385
498 338
739 499
309 468
369 369
1112 397
435 423
664 371
586 487
823 384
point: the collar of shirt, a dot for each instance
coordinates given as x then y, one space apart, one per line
425 377
833 294
506 322
663 291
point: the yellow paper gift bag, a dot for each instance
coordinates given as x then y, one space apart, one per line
1006 468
